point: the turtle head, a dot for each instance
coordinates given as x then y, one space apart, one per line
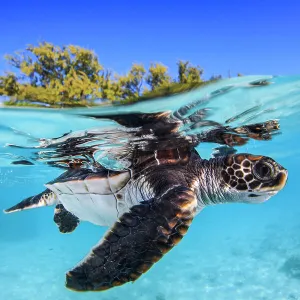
252 178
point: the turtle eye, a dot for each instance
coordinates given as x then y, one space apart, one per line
263 171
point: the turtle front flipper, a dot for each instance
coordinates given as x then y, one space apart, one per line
46 198
138 240
66 221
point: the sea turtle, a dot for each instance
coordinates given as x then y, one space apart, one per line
150 205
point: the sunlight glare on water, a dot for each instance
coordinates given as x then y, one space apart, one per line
230 252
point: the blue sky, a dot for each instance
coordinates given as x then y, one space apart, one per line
251 37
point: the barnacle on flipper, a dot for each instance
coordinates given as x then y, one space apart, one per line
291 267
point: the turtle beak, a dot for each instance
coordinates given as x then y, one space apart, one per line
281 180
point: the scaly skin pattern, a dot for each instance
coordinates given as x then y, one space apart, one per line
46 198
150 229
243 178
65 220
138 240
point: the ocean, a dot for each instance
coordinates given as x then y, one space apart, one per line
231 251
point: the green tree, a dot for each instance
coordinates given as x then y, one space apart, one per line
45 62
72 76
60 74
110 86
188 73
9 85
131 85
158 76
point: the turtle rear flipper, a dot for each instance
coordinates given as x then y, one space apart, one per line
46 198
138 240
65 220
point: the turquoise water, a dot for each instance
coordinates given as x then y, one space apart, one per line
232 251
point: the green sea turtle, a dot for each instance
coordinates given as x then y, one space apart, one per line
150 205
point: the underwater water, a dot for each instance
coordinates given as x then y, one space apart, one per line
231 251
